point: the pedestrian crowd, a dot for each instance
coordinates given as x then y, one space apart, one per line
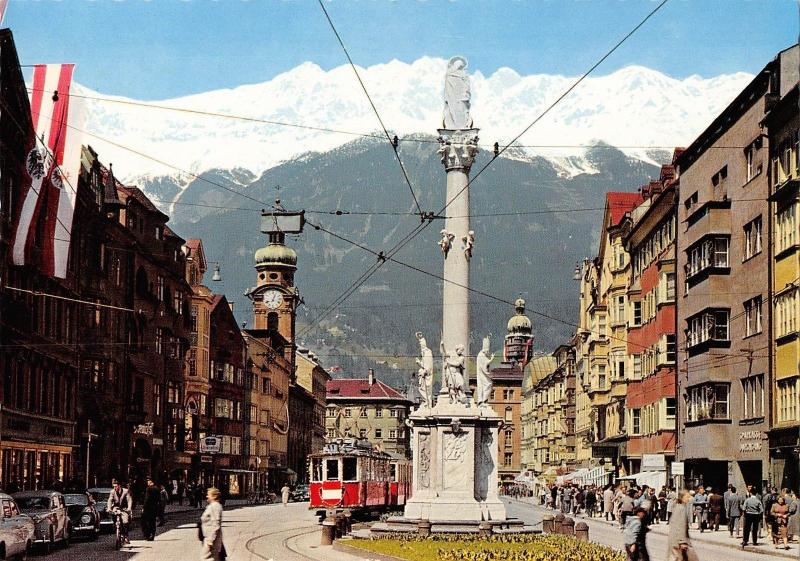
746 514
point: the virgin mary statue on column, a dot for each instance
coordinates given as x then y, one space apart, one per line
457 95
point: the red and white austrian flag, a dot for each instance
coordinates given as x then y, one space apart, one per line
44 226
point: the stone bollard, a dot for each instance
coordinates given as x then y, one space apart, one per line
547 524
328 531
568 526
557 520
484 529
424 528
582 531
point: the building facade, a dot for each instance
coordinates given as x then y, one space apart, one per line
652 343
310 375
607 349
368 409
535 446
724 336
782 124
268 410
38 419
506 400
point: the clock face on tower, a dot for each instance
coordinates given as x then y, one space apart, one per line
273 299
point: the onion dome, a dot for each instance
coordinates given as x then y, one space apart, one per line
520 323
276 254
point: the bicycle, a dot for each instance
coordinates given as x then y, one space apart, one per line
121 534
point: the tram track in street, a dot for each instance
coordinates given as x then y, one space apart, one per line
249 545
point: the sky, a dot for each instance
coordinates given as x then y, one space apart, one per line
160 49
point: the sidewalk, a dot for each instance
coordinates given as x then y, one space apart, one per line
174 508
721 538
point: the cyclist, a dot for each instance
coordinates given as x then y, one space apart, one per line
120 504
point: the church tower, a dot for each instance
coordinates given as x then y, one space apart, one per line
518 345
275 296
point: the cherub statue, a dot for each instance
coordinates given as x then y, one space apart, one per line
454 366
469 242
484 380
446 242
425 372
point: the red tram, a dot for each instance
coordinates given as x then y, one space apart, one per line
352 475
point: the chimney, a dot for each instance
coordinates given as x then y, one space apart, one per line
371 377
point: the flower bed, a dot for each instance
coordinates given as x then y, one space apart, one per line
513 547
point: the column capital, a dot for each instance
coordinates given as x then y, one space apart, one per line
458 148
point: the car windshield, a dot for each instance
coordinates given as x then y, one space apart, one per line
100 497
81 499
34 503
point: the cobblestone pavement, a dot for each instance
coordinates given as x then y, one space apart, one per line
250 533
712 546
292 533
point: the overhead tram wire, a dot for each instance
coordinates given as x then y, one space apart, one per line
424 224
392 143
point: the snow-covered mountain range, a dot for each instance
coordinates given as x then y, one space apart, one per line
631 108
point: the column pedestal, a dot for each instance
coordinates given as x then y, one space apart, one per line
455 464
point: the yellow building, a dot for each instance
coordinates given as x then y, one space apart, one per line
783 123
534 446
606 346
269 375
586 274
311 376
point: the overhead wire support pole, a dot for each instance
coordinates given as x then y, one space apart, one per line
393 141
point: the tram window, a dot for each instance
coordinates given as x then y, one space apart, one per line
392 472
332 470
316 470
349 469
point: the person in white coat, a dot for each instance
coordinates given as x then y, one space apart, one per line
211 524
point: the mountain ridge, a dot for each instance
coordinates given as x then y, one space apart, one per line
633 107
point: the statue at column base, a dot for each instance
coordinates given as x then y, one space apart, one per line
454 365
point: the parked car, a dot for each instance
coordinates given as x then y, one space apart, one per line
83 515
49 513
16 530
301 493
100 495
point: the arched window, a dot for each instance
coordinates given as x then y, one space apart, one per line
509 414
272 321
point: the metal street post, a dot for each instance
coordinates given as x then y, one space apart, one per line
88 448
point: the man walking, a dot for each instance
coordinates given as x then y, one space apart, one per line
635 536
716 505
753 512
700 506
733 510
150 509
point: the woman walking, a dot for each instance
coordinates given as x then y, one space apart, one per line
779 514
211 525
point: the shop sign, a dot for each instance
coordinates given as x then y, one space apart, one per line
678 468
158 441
210 445
750 441
206 459
145 429
654 462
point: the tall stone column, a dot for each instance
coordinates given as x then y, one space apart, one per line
458 150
